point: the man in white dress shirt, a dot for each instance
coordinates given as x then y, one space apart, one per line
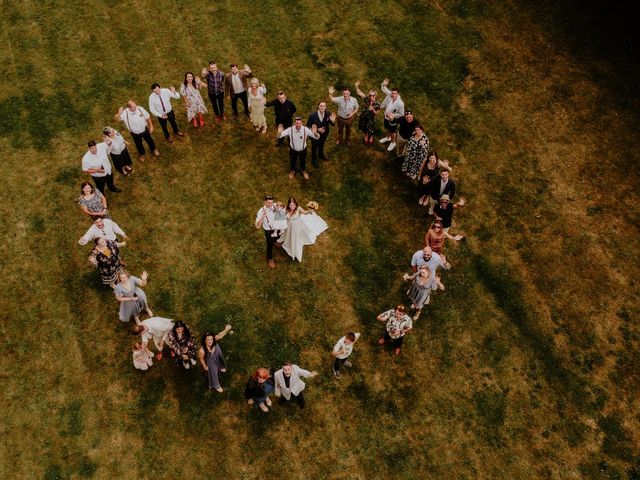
138 122
288 385
347 109
264 220
156 328
96 163
393 107
298 145
160 106
102 228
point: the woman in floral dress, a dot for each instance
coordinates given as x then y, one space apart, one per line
256 94
415 153
183 345
106 256
190 91
366 124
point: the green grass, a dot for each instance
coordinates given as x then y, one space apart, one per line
526 366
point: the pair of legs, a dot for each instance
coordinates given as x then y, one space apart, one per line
337 363
171 118
146 136
108 180
299 399
271 240
344 125
242 96
217 102
396 343
122 162
294 156
317 149
391 129
264 402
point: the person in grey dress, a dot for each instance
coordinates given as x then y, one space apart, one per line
212 359
131 297
420 291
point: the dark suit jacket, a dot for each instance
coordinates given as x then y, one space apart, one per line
284 111
450 189
314 119
228 84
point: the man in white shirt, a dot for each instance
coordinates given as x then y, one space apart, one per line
156 329
96 163
235 83
393 107
160 106
428 257
342 350
347 109
288 385
138 122
298 145
104 228
264 219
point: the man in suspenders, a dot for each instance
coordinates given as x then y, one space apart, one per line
264 219
298 145
138 122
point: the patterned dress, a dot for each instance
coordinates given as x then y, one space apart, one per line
93 203
415 153
108 262
196 104
257 107
366 123
184 345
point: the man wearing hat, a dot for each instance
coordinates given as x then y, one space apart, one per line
444 211
441 185
298 145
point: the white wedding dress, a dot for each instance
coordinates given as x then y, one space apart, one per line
301 230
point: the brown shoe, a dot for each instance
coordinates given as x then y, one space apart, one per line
141 158
156 152
381 341
305 175
291 174
272 264
180 134
170 140
159 356
396 351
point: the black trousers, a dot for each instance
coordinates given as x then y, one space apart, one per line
299 399
171 118
294 155
122 159
397 343
338 362
217 101
270 242
100 182
146 136
317 148
245 102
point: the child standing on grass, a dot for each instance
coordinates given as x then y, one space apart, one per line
142 357
342 350
279 220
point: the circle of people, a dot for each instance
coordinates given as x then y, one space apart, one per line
287 226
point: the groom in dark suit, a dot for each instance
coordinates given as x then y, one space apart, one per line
322 119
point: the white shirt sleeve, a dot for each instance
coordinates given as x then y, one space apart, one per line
175 94
152 101
384 89
87 236
311 134
285 132
116 228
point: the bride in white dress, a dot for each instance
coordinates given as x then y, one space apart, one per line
302 229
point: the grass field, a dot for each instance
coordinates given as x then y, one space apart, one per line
527 366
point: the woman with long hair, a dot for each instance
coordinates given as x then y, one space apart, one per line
190 91
298 232
415 152
257 100
183 345
212 359
132 298
429 170
106 257
366 123
436 236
